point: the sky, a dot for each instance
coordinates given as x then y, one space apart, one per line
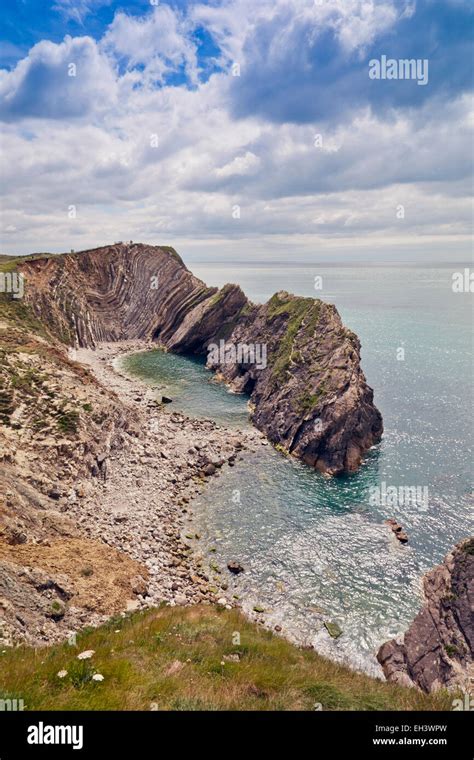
237 130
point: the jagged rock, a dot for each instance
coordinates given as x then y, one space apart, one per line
309 396
438 649
397 529
14 536
166 400
235 568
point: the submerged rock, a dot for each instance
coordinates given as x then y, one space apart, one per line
235 568
333 629
438 649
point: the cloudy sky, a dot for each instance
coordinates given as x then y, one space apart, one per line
237 128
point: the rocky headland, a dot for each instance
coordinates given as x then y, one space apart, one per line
310 396
97 478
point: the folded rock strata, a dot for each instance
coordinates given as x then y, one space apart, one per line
310 397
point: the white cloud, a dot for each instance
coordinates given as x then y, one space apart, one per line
65 80
77 10
240 165
159 41
88 142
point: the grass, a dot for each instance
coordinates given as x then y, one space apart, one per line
300 313
21 315
309 401
174 658
295 310
68 421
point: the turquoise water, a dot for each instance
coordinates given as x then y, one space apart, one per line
316 549
190 385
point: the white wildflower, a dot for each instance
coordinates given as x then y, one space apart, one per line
86 655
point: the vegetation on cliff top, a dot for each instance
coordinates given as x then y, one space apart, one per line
302 314
175 658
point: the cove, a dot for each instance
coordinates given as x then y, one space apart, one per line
313 548
317 549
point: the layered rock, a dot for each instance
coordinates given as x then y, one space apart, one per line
438 648
118 292
309 396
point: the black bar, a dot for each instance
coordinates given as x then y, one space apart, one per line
155 734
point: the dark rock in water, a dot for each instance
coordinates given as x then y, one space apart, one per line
166 400
437 651
235 568
209 469
397 530
292 356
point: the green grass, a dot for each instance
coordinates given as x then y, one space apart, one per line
68 420
309 401
135 655
296 309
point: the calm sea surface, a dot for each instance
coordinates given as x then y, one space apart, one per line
315 549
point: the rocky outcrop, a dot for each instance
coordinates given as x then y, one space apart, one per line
307 391
118 292
309 395
438 649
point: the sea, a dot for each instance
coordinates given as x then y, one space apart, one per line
317 550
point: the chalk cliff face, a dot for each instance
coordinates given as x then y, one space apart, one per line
438 649
310 396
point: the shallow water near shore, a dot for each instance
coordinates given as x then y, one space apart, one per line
317 549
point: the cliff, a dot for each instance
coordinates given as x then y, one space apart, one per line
309 395
95 483
311 398
438 649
